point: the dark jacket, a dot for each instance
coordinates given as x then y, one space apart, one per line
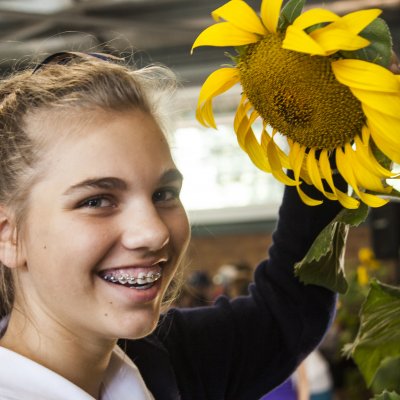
240 349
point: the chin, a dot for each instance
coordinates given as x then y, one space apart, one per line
138 325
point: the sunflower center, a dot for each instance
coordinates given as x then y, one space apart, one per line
298 95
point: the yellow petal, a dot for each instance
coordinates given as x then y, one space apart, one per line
304 174
217 82
293 153
296 157
326 171
345 169
255 152
365 75
265 138
241 113
326 168
315 176
373 200
205 115
297 40
313 17
241 123
366 157
386 103
253 116
276 167
385 132
238 117
386 147
270 12
347 201
307 199
247 139
356 21
365 178
333 40
240 14
224 34
344 166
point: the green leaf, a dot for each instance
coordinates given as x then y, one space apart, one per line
388 376
323 264
290 12
387 396
353 217
378 337
380 49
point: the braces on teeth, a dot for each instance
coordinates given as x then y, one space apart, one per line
141 279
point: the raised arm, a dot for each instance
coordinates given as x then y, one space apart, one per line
242 348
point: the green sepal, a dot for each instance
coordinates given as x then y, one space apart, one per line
323 264
379 51
387 396
381 157
378 337
240 53
289 13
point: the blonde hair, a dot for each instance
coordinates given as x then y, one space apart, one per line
85 82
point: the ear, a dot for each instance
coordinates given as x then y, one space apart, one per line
8 239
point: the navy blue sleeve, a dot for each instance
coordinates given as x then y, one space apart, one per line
242 348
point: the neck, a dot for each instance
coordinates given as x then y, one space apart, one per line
81 361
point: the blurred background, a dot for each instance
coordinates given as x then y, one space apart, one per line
232 206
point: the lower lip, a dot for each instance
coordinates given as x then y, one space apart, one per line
140 296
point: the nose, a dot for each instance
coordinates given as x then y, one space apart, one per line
144 228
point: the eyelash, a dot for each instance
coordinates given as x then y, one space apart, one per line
174 192
86 202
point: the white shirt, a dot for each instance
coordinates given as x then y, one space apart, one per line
24 379
318 373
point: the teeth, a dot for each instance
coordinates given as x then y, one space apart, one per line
141 279
123 278
131 280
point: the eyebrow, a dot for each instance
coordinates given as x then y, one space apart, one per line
171 175
109 183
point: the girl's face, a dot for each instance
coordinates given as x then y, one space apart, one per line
105 229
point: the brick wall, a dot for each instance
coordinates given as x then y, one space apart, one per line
209 252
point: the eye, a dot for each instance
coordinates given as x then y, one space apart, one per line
97 202
166 195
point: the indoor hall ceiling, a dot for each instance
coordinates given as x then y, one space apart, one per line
155 30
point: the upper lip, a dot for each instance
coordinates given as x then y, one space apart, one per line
144 263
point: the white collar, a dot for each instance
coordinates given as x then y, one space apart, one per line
24 379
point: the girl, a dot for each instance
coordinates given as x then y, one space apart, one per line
92 233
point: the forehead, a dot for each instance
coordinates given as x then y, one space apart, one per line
99 141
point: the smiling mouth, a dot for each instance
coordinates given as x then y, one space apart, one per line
141 281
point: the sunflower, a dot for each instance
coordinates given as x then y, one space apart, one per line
316 79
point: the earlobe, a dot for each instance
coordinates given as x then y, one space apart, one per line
8 239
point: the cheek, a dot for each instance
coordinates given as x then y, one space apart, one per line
61 246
